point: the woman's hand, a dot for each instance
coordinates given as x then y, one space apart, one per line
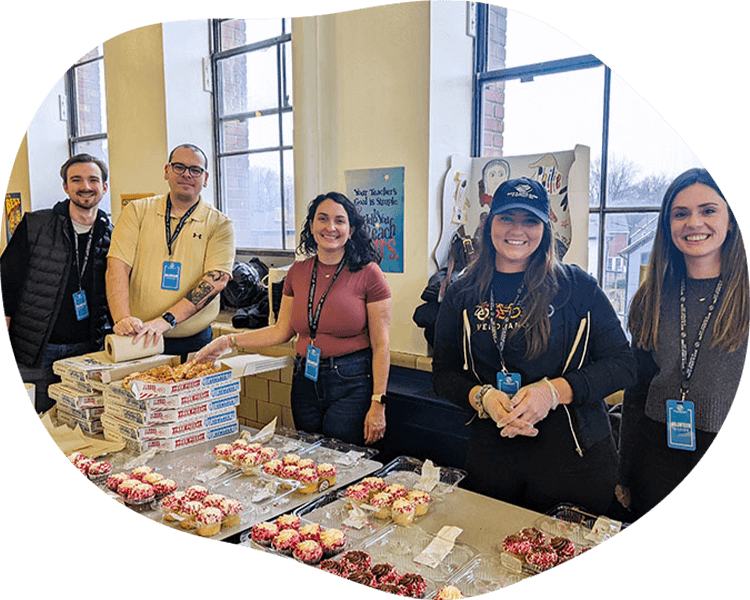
375 423
499 406
532 403
211 352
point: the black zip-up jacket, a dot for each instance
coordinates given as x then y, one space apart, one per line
465 354
35 267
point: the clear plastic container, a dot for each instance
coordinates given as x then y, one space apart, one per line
483 574
408 471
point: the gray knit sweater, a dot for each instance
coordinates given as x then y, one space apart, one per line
716 377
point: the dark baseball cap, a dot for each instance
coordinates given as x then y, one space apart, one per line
522 193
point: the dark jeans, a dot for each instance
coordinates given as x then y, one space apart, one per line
186 345
42 376
337 403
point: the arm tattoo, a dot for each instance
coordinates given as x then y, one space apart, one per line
205 291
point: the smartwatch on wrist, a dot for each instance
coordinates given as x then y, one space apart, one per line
379 398
169 318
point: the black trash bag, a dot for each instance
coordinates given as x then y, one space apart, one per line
253 317
246 286
425 314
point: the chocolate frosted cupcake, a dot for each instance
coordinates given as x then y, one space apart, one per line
363 577
356 560
384 573
413 584
391 588
333 566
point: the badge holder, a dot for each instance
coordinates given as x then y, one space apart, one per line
312 363
81 305
508 383
170 275
681 424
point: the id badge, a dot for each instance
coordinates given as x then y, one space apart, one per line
170 275
509 383
312 362
80 305
681 424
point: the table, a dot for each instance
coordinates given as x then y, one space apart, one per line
191 466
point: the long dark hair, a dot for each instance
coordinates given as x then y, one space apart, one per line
667 266
359 250
540 282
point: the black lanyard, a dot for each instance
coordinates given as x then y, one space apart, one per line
314 319
168 224
688 362
506 323
87 252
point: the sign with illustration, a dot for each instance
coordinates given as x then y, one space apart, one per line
13 213
379 196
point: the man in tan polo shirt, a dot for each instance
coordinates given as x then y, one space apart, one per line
169 259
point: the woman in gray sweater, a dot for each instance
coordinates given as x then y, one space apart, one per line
689 326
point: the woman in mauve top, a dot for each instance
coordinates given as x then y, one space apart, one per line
342 326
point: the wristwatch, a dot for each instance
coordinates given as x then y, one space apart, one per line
479 401
379 398
169 318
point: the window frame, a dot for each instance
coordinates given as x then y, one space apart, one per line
71 93
528 72
217 55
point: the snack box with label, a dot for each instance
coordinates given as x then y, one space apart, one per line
157 416
96 366
74 398
169 430
170 444
115 392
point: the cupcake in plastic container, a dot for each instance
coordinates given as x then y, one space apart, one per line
221 452
381 502
310 531
327 473
232 509
308 551
285 541
402 511
332 541
208 521
288 521
99 471
421 500
164 487
189 512
308 479
264 533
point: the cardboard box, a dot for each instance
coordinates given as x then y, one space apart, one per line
141 389
252 364
73 398
170 444
135 432
116 393
91 427
157 417
95 366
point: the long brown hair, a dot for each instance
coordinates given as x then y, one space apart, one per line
667 266
540 283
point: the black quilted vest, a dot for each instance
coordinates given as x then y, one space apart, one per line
50 258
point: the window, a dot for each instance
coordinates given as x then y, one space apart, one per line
531 78
87 109
253 127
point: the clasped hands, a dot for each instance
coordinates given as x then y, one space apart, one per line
151 330
518 415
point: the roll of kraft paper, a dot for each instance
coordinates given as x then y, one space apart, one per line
120 348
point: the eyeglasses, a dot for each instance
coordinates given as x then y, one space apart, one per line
179 169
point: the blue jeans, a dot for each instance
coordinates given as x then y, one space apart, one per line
42 376
337 403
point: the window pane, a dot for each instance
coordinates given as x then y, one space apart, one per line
532 41
286 71
250 133
98 51
593 266
236 75
287 125
252 194
291 242
240 32
645 153
628 239
90 98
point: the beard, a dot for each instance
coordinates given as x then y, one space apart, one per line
86 202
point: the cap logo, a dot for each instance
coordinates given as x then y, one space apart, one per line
523 190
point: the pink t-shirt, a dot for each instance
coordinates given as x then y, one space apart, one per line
343 320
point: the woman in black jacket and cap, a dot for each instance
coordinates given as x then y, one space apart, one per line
533 346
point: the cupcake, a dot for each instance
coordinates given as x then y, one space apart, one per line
374 484
140 493
534 535
239 443
390 588
564 548
251 463
448 592
421 501
208 521
236 456
170 506
288 521
232 509
272 467
213 500
308 479
84 464
221 452
308 551
310 531
263 533
413 584
384 573
396 490
381 502
254 447
285 541
357 494
269 454
76 457
289 472
99 471
196 492
290 459
517 545
189 512
152 478
164 487
140 472
327 474
402 511
355 560
114 480
124 488
306 463
542 558
332 566
332 541
362 577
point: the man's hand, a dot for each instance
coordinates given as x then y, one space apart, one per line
152 330
128 326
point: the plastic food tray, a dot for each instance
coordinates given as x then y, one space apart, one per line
407 470
344 456
400 545
483 574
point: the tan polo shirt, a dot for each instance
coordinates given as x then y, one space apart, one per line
205 243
